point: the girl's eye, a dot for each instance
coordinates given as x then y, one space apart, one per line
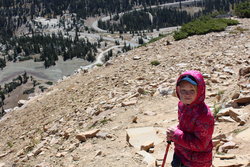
192 92
187 92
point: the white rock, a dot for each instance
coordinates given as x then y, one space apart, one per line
136 58
225 119
206 75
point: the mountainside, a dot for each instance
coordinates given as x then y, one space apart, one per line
85 119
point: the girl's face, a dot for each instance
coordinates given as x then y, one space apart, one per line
187 92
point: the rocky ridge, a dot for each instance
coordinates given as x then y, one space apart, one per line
97 117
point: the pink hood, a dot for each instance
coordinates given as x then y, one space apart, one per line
193 137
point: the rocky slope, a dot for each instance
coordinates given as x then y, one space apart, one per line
89 119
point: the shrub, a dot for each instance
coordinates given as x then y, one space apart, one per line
216 109
10 144
178 35
243 9
99 65
49 83
155 63
42 88
203 25
29 91
2 63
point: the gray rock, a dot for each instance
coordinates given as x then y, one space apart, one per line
165 91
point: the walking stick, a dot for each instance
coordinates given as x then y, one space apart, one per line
166 153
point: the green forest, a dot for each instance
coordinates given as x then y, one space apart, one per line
163 17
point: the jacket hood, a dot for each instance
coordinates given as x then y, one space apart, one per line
201 87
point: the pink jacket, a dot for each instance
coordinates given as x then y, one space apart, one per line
193 136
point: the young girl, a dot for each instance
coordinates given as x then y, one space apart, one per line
193 135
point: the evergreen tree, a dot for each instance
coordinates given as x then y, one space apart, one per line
2 63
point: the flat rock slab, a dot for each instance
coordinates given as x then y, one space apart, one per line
240 160
137 137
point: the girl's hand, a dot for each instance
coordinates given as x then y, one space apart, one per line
170 133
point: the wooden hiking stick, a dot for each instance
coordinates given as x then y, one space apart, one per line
166 153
